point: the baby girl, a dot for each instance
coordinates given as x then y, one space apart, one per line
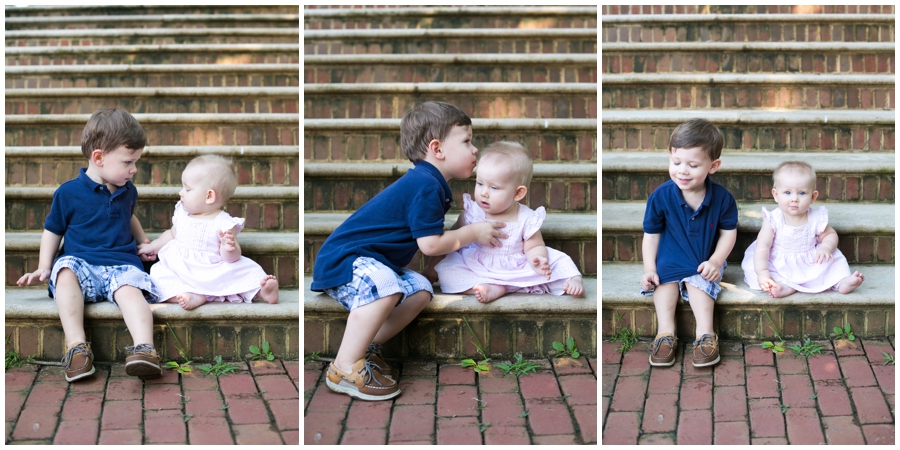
200 258
796 249
521 263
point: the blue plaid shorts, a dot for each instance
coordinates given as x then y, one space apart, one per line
712 288
373 280
99 283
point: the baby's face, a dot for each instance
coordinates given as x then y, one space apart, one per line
495 186
794 192
194 190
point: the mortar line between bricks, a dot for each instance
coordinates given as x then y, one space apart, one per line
259 394
563 397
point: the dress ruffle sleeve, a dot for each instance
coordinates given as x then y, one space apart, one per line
225 222
533 223
471 211
820 215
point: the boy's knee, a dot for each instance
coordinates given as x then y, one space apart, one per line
420 299
67 278
127 292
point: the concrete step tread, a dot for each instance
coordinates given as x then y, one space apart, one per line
721 117
448 88
153 68
478 124
843 217
141 32
182 118
165 18
517 304
251 241
443 59
449 33
390 169
160 151
348 13
645 79
664 47
614 19
756 162
35 303
154 48
193 92
621 286
557 225
273 193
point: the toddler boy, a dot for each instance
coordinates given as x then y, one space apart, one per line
99 259
361 265
690 226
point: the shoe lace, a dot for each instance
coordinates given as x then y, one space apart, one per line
143 348
369 374
706 339
375 349
80 348
668 339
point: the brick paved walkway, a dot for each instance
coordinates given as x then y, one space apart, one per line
110 407
843 396
439 404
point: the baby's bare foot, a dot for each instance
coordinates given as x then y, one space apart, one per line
574 287
781 291
269 291
850 283
486 293
190 301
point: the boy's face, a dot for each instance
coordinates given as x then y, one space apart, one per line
794 192
193 190
688 168
496 190
459 153
118 166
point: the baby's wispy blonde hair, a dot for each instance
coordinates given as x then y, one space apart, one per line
517 156
219 175
798 166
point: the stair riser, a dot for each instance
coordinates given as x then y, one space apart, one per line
745 9
583 252
14 81
748 32
749 96
200 135
798 138
435 336
451 21
202 342
149 9
69 59
195 105
486 106
360 145
148 40
452 46
449 74
750 322
334 195
841 187
621 246
749 62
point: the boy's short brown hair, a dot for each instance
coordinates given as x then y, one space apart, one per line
109 128
517 157
698 133
426 122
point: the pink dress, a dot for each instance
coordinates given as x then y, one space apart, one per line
506 265
191 262
792 259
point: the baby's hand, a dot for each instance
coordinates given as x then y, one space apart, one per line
708 271
649 281
823 255
767 284
486 233
40 275
226 240
541 266
146 251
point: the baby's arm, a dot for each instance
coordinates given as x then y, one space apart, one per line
485 233
536 253
709 269
761 257
49 246
229 248
650 248
829 242
430 273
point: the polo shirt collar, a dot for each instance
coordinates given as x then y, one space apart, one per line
95 186
430 169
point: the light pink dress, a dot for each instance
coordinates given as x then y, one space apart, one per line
792 259
505 265
191 262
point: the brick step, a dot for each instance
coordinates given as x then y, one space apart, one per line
572 234
739 310
368 17
335 187
485 100
210 100
749 57
713 27
155 54
139 20
348 140
152 75
728 91
257 165
442 68
864 177
504 327
797 130
865 231
747 9
99 10
267 208
453 41
150 36
277 252
226 330
162 129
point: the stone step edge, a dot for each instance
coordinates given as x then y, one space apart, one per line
192 92
580 59
517 304
615 19
755 162
155 192
747 117
449 33
713 80
139 8
148 32
868 218
621 287
165 18
318 13
161 151
452 88
122 69
556 226
389 169
159 48
173 119
287 242
799 47
35 304
477 124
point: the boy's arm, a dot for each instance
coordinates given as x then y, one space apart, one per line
484 233
649 249
709 269
49 246
138 231
429 272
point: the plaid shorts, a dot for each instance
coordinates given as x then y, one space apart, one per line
712 288
99 283
373 280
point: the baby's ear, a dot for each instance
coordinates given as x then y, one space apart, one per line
520 193
210 197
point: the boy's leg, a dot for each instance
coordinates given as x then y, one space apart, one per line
70 305
702 305
363 324
665 299
402 315
136 313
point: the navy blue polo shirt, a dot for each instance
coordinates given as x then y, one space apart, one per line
687 237
95 224
386 227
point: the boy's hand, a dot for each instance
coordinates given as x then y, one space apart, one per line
541 266
708 271
649 281
823 254
486 233
146 251
226 241
40 275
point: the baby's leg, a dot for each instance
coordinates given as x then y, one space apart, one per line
136 312
486 293
70 305
574 287
362 325
665 299
269 290
847 285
